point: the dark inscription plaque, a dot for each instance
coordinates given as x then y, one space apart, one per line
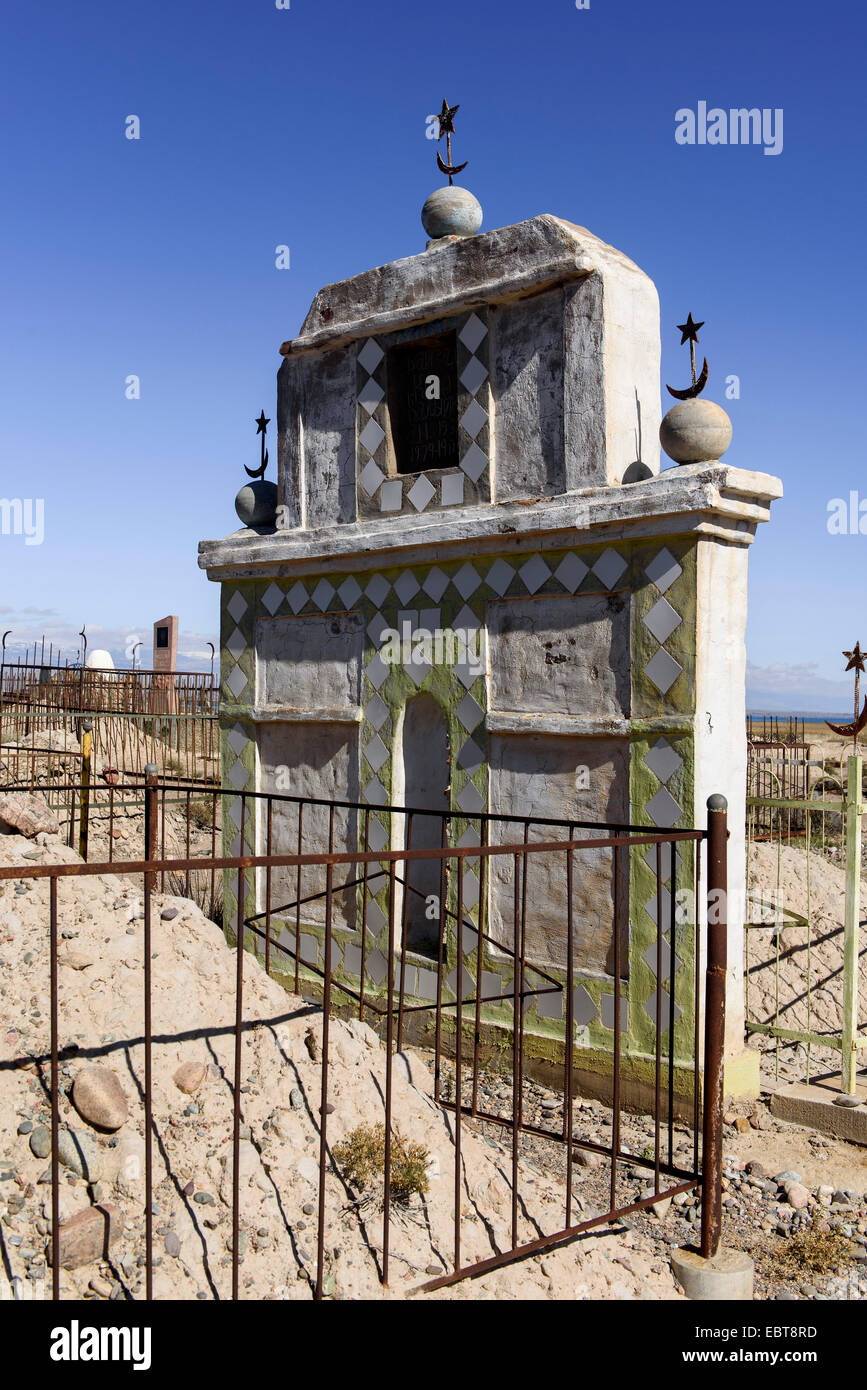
423 404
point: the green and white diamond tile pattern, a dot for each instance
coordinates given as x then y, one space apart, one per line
453 595
381 494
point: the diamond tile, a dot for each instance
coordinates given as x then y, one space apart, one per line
570 572
323 594
237 606
375 794
650 1007
471 897
297 597
662 760
534 573
349 591
436 584
609 567
372 436
467 580
470 836
665 861
472 332
236 681
237 644
663 809
376 918
474 373
377 967
663 570
376 752
500 576
370 396
376 671
468 984
406 586
421 493
452 488
391 496
371 355
550 1005
470 800
470 713
473 418
234 811
650 957
376 712
470 756
583 1007
377 590
608 1012
237 739
272 598
417 669
474 463
662 670
650 909
371 478
377 628
238 776
662 620
377 835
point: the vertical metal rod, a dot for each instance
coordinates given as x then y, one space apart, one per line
517 1004
365 877
236 1080
459 1057
672 940
268 891
696 1004
403 928
657 1104
854 813
55 1098
438 1033
84 803
323 1089
480 960
298 901
389 1045
151 822
615 1061
569 1040
714 1025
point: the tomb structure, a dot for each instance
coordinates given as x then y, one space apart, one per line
482 594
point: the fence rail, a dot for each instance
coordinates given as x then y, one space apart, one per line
457 1010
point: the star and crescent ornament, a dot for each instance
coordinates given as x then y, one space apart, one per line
855 659
262 424
689 334
446 119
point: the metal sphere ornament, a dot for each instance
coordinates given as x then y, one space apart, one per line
256 503
694 431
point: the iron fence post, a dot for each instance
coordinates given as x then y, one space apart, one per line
854 813
714 1025
84 803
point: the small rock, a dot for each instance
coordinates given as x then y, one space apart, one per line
172 1244
756 1169
189 1077
25 1127
168 914
296 1099
101 1287
29 814
797 1195
742 1125
787 1175
88 1235
586 1158
99 1099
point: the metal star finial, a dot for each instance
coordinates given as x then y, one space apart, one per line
446 119
689 330
261 428
689 334
856 660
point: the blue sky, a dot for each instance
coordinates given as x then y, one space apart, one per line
263 126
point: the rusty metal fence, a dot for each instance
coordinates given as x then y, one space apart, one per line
456 1015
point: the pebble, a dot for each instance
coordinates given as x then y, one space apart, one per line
797 1195
204 1198
172 1244
787 1175
296 1099
25 1127
168 914
308 1208
98 1097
